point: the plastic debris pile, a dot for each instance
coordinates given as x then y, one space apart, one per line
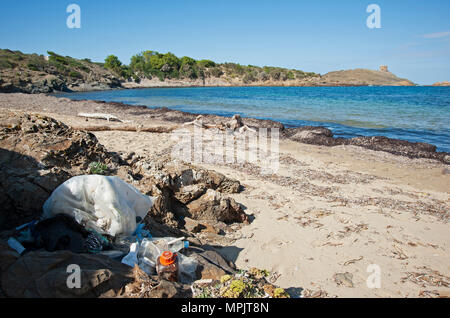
102 215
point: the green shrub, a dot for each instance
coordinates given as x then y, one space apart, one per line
56 58
206 63
112 62
98 168
5 64
75 74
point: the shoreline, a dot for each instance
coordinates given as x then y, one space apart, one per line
318 135
215 86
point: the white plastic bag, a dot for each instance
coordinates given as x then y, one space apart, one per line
104 204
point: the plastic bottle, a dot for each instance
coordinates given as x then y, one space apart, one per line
174 246
167 266
131 258
14 244
178 245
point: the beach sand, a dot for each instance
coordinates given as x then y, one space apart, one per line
322 218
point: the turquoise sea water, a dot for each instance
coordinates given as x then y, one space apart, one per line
409 113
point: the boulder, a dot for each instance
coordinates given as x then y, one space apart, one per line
191 192
214 206
311 135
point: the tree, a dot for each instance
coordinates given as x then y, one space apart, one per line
137 64
188 67
113 63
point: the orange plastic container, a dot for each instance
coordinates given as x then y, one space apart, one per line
167 266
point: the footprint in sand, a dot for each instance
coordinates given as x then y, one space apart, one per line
275 245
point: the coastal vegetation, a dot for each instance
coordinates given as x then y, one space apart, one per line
152 64
34 73
53 64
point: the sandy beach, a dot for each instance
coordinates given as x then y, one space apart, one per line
320 220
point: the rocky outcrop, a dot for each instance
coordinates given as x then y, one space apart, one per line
185 191
363 77
324 137
39 153
444 83
51 84
32 73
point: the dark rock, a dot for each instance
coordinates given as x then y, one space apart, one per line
311 135
211 265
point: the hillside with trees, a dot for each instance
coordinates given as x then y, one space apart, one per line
33 73
154 65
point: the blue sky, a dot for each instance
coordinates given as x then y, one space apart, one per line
319 36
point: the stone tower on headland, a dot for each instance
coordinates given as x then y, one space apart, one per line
384 68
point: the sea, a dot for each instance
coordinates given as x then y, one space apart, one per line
417 114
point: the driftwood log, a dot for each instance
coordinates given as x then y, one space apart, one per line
157 129
107 117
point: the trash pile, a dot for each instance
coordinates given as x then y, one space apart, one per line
103 215
244 284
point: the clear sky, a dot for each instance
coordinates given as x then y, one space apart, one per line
318 36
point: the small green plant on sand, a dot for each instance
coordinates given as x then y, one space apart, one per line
280 293
225 278
97 168
235 290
